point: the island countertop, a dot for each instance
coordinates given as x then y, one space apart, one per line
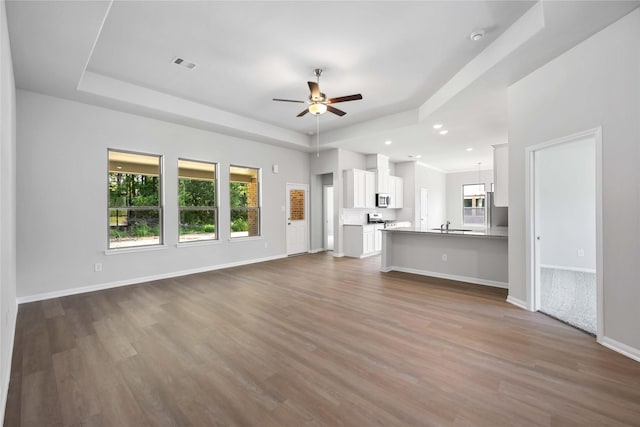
492 232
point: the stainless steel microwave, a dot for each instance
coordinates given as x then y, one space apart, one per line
383 200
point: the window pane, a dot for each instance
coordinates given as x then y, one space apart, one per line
244 195
134 200
197 200
134 227
473 204
197 225
296 205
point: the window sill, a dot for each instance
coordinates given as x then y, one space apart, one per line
198 243
135 249
245 239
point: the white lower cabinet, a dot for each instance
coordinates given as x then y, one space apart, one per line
378 237
362 240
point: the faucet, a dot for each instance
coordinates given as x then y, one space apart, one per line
448 223
441 228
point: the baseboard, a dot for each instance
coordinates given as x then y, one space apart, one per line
338 254
7 369
517 302
137 280
465 279
625 350
315 251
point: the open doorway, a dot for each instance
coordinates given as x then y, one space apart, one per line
328 212
565 228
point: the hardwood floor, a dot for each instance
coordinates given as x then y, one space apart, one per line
309 341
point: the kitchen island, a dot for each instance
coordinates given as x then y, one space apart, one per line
474 256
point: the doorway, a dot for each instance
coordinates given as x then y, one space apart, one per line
327 203
297 219
565 230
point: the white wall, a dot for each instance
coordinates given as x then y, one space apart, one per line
455 181
62 195
566 182
8 307
417 176
597 83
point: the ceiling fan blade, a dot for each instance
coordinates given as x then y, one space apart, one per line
303 112
355 97
288 100
335 111
315 90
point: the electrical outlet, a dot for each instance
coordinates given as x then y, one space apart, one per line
444 257
580 252
97 267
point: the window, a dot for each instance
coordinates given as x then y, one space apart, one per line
135 210
473 204
245 201
197 201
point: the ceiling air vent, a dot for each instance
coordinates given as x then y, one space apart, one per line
183 63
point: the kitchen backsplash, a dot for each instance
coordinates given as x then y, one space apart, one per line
359 216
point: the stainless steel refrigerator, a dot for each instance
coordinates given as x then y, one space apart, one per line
496 216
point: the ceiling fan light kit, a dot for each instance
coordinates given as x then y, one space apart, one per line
318 102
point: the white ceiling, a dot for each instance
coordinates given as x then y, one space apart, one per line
412 61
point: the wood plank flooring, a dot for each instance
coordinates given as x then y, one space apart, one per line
309 341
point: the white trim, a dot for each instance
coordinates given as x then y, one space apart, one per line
533 298
466 279
245 238
338 254
517 302
194 243
137 280
568 268
315 251
134 249
625 350
7 369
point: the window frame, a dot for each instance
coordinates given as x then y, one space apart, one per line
258 209
484 207
216 202
160 207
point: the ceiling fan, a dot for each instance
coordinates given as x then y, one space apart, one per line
318 102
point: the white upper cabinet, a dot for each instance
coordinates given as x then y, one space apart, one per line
501 175
359 189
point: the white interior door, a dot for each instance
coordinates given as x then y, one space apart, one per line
328 217
423 209
297 219
565 232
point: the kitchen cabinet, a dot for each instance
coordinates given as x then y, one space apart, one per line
378 236
359 189
396 191
360 240
501 175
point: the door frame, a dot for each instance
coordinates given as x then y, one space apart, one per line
325 229
531 255
424 191
306 211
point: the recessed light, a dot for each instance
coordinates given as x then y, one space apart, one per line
388 142
476 35
437 126
470 149
444 132
418 156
